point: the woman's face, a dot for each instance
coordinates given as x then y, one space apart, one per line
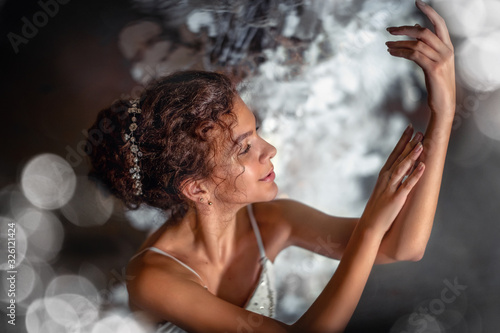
244 172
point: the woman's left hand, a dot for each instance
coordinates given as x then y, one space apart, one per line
433 52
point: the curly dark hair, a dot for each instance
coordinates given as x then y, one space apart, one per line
179 112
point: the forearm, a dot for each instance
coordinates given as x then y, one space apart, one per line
410 232
333 308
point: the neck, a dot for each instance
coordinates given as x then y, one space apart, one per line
214 232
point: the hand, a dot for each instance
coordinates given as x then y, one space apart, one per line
391 191
433 52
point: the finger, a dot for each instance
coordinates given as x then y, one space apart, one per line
400 146
420 33
402 169
417 46
412 180
437 21
409 147
413 167
419 58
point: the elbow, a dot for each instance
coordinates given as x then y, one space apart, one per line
416 257
415 254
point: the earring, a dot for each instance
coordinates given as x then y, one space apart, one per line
209 202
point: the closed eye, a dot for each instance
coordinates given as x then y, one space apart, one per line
247 149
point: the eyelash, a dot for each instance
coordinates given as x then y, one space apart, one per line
247 149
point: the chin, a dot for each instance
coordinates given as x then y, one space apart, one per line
268 193
271 193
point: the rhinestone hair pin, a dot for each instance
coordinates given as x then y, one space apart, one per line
134 110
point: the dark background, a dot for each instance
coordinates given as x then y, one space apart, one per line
53 87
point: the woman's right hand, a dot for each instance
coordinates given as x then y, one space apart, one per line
334 307
390 192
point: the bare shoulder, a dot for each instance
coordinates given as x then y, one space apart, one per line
274 207
168 295
273 225
278 211
149 272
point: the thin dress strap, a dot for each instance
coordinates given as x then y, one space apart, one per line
257 232
157 250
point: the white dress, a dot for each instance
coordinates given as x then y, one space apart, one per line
262 300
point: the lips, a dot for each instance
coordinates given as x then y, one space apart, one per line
269 177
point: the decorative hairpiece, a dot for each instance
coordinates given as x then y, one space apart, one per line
134 147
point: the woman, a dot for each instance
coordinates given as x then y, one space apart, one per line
190 145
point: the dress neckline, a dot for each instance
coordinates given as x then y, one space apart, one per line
263 259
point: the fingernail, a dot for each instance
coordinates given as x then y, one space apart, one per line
420 166
418 136
419 148
408 128
420 2
390 29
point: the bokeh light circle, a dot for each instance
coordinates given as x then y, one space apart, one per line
118 322
45 234
87 311
71 311
48 181
91 204
147 217
61 312
478 66
12 201
25 280
35 316
38 320
43 274
464 18
73 284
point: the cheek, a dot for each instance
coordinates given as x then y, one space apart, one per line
238 175
230 175
242 176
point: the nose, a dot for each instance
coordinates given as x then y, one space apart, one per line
268 152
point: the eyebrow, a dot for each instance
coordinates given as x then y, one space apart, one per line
243 136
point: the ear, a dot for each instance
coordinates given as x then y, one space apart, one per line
194 189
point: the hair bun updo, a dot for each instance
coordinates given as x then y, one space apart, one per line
177 113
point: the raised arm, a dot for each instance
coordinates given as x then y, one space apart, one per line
433 52
332 310
172 295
